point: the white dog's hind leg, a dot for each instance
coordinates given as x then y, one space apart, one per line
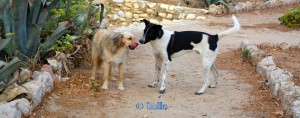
158 64
206 69
164 78
216 76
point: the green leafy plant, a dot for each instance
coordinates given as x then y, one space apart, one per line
246 54
94 87
64 44
291 18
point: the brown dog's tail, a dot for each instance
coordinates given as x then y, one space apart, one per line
232 30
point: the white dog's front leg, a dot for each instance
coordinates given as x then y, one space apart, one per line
158 64
164 78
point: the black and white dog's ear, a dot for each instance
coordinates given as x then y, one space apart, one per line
158 26
161 32
145 21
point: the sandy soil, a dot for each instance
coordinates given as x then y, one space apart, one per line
235 97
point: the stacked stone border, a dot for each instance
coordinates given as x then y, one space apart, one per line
127 12
20 99
277 79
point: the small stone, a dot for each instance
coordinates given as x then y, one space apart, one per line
128 5
152 5
118 1
164 6
284 46
121 14
162 14
169 16
136 16
129 15
200 18
150 11
144 15
136 6
190 17
154 21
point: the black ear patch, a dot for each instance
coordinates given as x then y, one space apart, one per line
117 40
160 31
145 21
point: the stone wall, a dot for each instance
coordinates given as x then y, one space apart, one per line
130 11
280 81
126 12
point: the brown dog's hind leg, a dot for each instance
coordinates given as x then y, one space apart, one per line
121 68
96 65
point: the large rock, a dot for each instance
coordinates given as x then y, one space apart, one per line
265 65
12 92
296 109
42 82
275 77
287 94
15 109
252 48
214 10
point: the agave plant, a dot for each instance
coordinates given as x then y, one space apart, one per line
26 22
9 68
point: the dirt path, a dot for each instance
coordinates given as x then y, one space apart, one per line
74 98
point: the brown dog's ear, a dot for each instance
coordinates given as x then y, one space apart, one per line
145 21
117 40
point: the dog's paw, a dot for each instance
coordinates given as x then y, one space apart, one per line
162 91
104 87
113 79
121 88
198 93
212 86
152 85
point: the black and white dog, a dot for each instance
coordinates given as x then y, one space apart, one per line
169 44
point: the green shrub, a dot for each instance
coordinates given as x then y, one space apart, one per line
291 18
246 54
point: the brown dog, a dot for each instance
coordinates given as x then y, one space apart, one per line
111 48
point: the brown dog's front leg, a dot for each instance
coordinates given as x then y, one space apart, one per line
105 75
121 68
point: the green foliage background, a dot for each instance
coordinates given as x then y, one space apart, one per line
291 18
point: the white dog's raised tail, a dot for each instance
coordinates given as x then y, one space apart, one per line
232 30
